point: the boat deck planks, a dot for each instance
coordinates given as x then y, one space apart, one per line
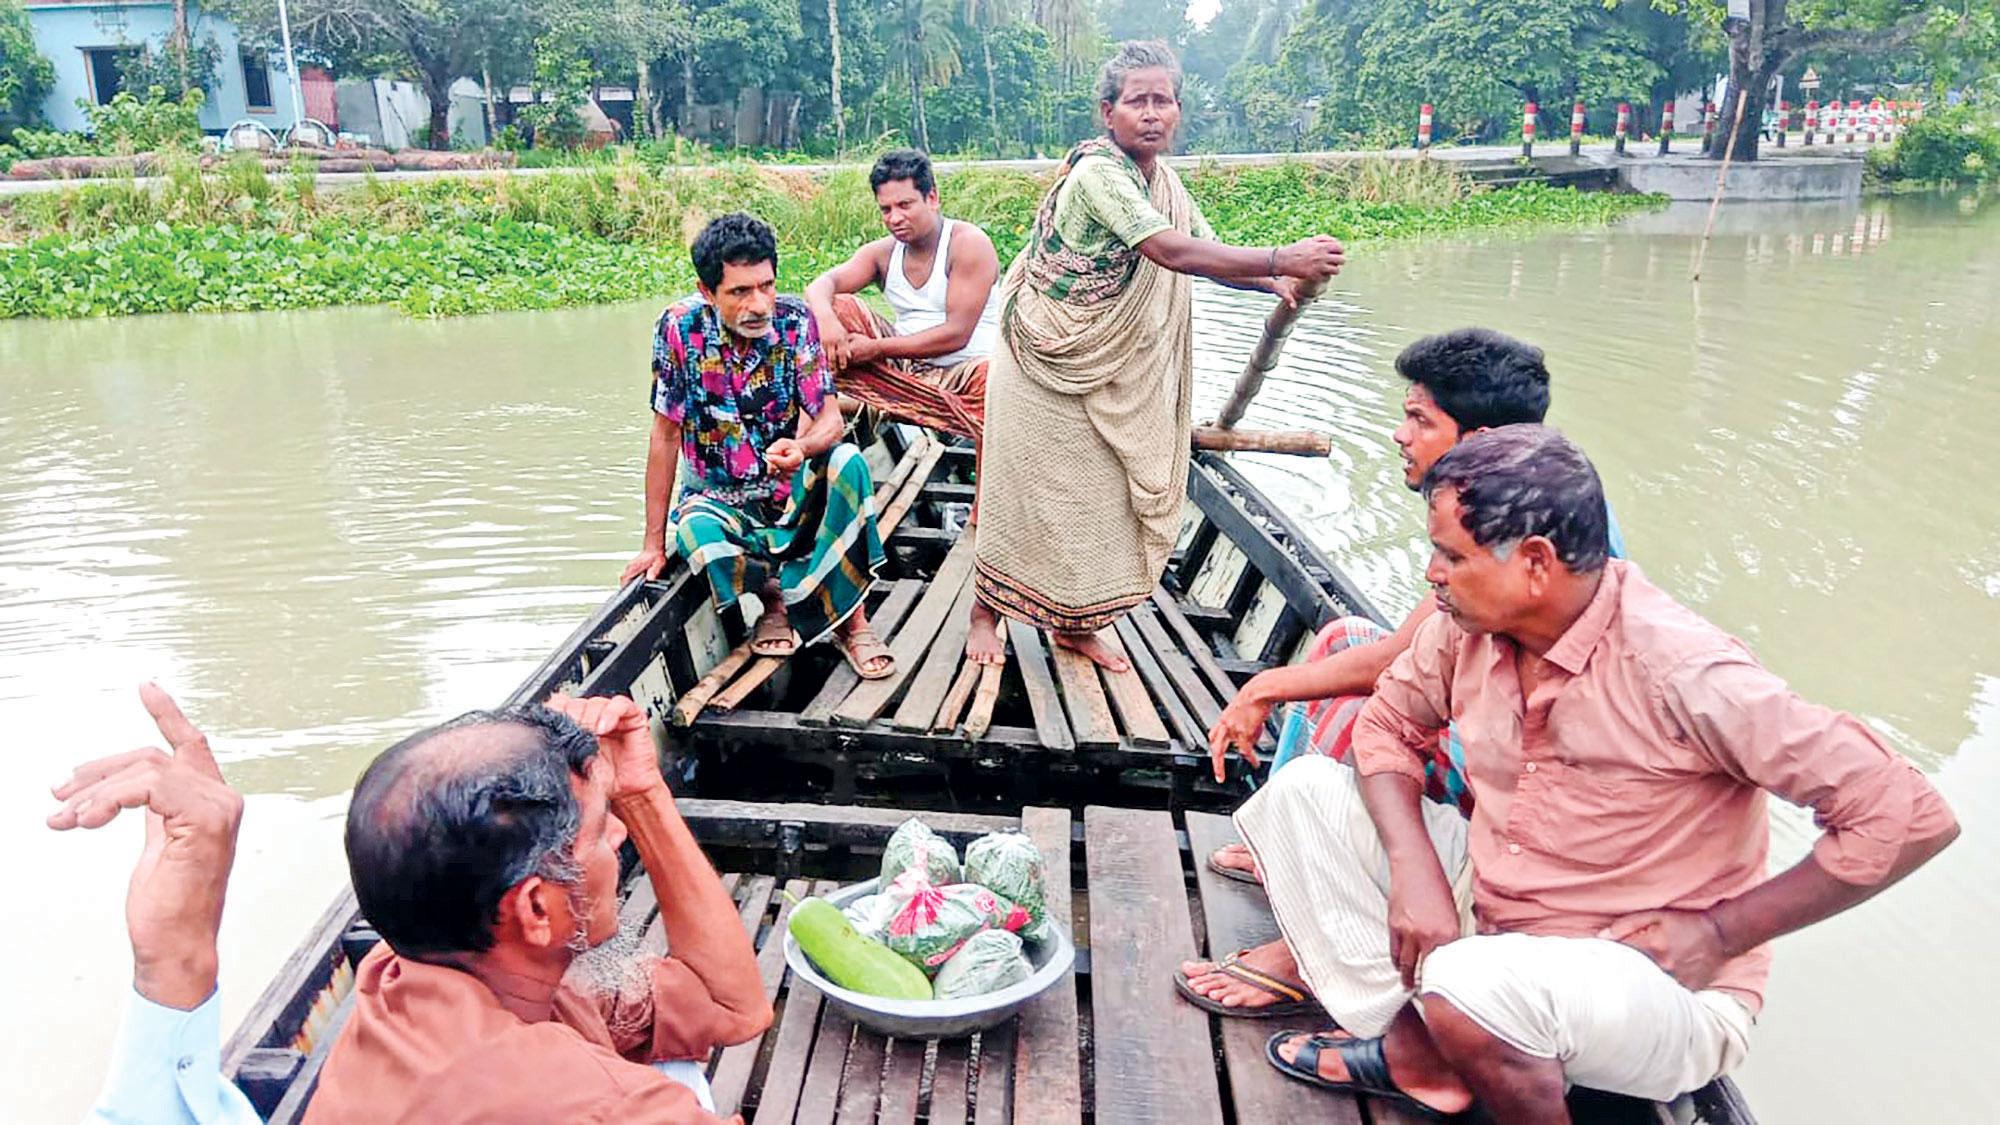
1236 916
1153 1061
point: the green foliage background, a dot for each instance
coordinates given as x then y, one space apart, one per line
244 241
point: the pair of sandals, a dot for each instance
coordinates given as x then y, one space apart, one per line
776 637
1367 1065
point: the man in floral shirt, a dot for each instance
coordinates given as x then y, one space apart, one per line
776 503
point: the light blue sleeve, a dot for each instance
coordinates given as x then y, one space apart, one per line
1612 532
166 1069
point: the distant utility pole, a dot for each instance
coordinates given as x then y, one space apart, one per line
291 66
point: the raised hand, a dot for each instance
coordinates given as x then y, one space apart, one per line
173 905
623 736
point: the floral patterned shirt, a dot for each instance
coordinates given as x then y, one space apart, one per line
731 404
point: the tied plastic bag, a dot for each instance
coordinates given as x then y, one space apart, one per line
931 922
870 914
913 846
1010 865
989 961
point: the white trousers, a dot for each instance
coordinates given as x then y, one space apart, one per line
1612 1017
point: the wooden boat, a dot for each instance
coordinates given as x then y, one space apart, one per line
793 772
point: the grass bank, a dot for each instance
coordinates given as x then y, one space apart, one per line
244 240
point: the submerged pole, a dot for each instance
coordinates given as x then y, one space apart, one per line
1721 177
1264 357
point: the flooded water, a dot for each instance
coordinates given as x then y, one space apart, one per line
324 529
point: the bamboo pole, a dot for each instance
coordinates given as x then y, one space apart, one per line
1721 177
1277 329
1302 442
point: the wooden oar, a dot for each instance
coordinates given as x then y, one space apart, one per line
1264 358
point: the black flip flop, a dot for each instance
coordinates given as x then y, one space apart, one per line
1293 998
1367 1068
1235 873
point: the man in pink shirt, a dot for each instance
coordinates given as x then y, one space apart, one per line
1604 918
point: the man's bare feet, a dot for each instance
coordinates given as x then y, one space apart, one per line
1414 1064
1273 959
1236 857
983 644
1089 645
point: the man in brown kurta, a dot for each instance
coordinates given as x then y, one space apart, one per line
486 854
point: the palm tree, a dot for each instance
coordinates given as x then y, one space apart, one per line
982 17
928 53
1267 36
1069 24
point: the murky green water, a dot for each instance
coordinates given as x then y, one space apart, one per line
324 529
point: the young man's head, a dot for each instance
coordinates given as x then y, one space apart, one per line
1462 382
906 193
490 835
736 258
1517 522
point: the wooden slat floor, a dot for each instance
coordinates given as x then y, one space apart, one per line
1119 1047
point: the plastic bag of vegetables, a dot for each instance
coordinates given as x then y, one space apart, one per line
1010 865
931 922
989 961
913 846
870 915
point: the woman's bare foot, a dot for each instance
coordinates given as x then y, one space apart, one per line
1273 960
983 644
1236 857
1090 645
1414 1064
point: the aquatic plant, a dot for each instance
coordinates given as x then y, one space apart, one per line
242 240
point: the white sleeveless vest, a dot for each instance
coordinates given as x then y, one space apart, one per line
918 310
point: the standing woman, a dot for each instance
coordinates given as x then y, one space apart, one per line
1088 395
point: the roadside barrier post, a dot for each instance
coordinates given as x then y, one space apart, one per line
1874 120
1853 120
1528 130
1576 128
1812 119
1666 126
1784 121
1424 127
1624 127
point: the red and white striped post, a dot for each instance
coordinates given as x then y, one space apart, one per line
1424 127
1874 120
1784 121
1853 120
1528 129
1576 128
1624 127
1666 125
1812 119
1707 126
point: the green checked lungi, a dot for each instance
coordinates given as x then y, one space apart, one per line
824 548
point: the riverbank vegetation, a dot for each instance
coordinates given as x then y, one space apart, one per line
1951 145
244 240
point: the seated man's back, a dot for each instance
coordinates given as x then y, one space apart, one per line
485 851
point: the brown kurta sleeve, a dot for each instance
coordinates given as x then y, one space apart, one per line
1412 702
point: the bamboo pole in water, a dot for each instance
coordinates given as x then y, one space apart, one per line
1721 177
1277 329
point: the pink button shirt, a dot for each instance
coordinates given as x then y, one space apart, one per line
1635 778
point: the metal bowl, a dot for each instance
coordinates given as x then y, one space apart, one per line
936 1019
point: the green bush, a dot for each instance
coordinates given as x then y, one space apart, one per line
243 240
159 123
1958 144
25 75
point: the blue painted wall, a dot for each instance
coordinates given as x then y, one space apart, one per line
64 31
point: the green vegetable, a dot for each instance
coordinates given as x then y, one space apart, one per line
850 960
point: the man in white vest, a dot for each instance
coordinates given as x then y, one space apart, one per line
939 276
